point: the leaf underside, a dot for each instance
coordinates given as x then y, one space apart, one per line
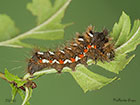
8 29
89 80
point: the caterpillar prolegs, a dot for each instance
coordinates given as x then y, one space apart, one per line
90 45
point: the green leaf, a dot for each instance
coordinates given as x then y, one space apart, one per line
40 8
125 42
121 30
48 34
49 25
44 9
10 77
85 78
118 64
8 29
89 80
133 39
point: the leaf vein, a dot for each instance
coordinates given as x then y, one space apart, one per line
128 40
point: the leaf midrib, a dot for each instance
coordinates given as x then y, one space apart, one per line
123 45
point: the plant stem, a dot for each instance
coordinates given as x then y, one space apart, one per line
26 96
2 76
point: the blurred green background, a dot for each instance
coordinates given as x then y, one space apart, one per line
62 89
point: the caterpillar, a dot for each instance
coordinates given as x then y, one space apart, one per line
90 45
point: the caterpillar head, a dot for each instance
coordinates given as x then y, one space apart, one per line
34 63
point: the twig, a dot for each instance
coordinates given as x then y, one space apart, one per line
2 76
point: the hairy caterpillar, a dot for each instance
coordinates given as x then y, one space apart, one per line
90 45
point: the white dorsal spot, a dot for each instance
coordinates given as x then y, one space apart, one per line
77 58
62 51
45 61
55 61
81 39
92 46
67 60
84 54
75 44
108 54
40 53
69 48
91 35
52 53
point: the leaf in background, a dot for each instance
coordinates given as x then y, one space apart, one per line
53 14
40 8
8 29
88 80
49 25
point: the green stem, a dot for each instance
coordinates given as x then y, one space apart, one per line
26 96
